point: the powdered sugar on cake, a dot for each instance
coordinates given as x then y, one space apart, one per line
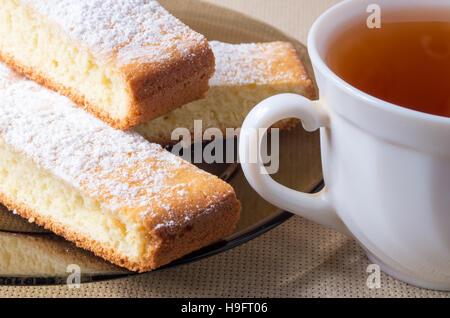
119 168
129 29
251 63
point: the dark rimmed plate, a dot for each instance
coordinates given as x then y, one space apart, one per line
44 257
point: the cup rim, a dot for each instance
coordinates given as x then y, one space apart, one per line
383 105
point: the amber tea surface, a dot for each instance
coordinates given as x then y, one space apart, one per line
404 63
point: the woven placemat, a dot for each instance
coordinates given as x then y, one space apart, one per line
296 259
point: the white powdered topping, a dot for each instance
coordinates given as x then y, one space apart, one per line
132 29
250 63
120 168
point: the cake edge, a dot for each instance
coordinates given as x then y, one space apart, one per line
302 86
170 247
194 86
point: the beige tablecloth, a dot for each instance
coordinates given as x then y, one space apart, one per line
296 259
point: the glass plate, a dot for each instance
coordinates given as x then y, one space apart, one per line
30 255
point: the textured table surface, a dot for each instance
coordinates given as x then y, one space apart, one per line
296 259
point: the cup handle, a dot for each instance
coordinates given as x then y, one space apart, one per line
316 207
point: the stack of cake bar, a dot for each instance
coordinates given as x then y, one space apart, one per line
90 90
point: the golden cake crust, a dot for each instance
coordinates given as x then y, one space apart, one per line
259 64
172 244
161 93
160 63
143 107
244 70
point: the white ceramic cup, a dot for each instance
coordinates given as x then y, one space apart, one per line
386 168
